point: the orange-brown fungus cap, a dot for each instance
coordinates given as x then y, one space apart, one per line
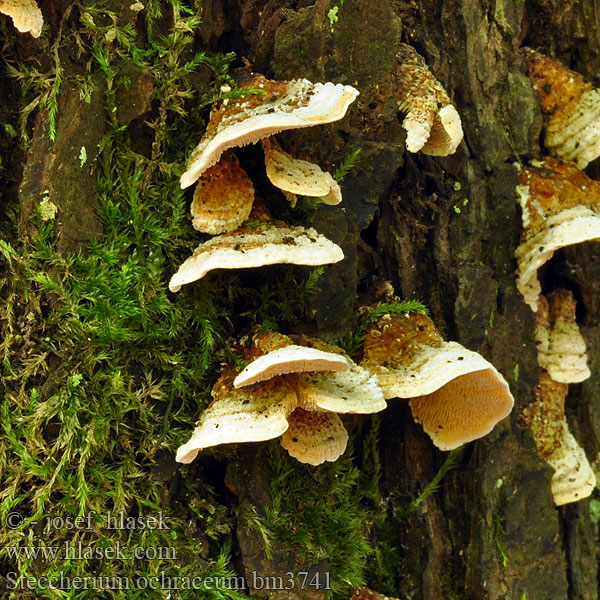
315 437
26 15
223 197
571 109
561 347
560 207
432 124
573 478
544 415
282 105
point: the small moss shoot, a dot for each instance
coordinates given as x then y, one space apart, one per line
352 341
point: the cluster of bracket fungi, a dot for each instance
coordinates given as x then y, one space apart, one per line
293 386
560 207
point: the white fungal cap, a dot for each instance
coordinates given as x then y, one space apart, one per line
354 390
456 394
290 359
265 243
295 176
26 15
432 124
574 478
315 437
283 105
253 414
571 109
561 347
560 207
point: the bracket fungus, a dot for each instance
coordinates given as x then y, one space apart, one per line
561 347
26 15
456 395
295 176
570 107
432 124
560 207
573 478
223 198
259 242
289 405
289 359
282 105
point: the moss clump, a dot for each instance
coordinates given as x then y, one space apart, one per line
103 370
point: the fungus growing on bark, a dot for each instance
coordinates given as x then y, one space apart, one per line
254 414
295 176
560 207
432 124
315 437
456 395
26 15
289 359
283 105
223 197
570 106
257 243
561 347
545 416
305 402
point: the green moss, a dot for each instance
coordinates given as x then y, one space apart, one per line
320 512
104 371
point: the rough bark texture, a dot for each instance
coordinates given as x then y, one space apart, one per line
442 230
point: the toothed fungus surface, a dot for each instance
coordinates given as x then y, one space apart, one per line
223 197
456 394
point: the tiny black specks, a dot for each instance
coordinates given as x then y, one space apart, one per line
295 440
461 358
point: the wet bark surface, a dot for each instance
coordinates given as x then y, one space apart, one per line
442 230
